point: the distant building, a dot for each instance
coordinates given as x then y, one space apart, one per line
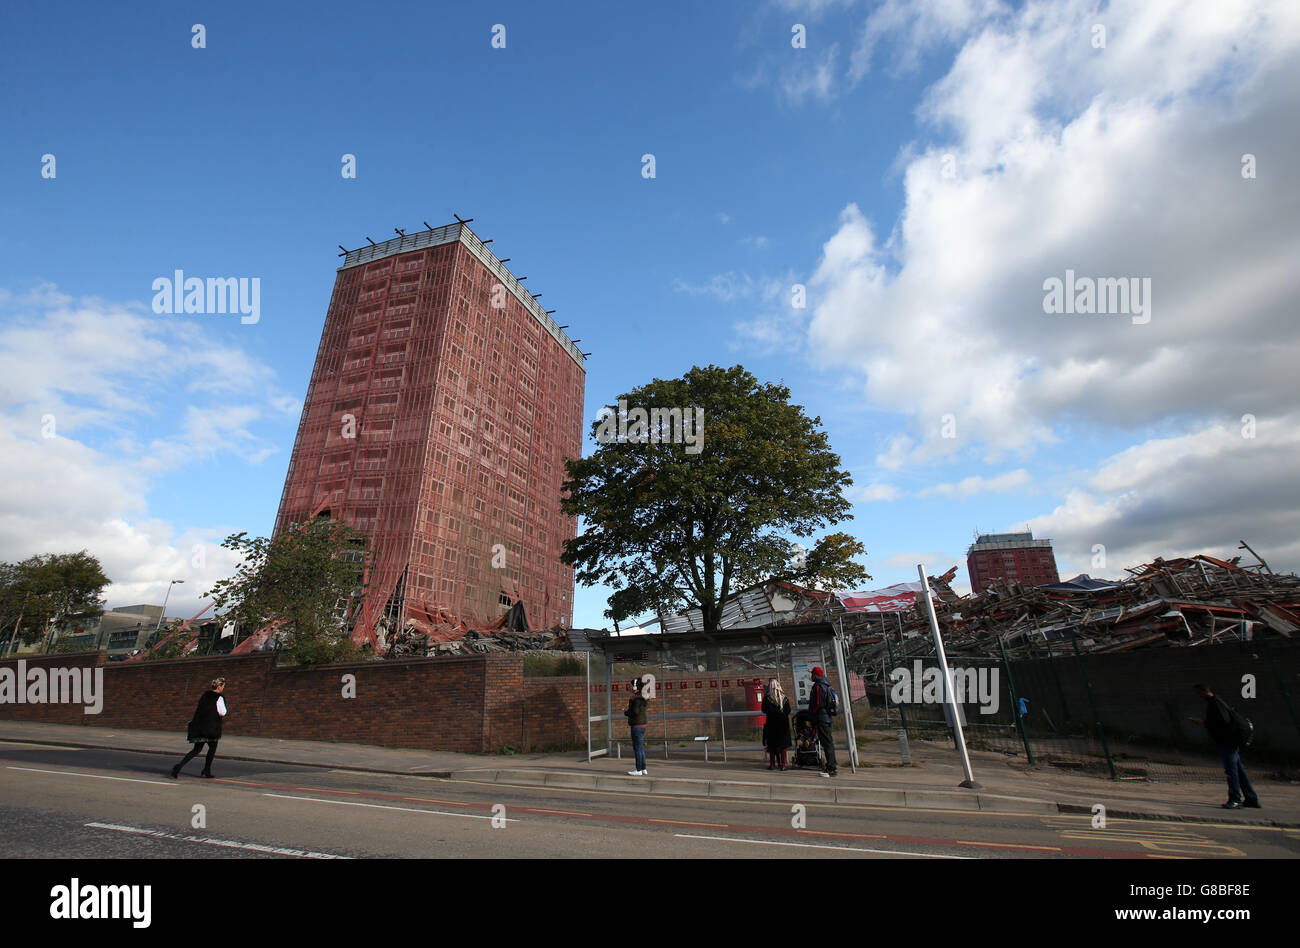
120 631
1015 557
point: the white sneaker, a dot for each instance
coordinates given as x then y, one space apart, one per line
636 773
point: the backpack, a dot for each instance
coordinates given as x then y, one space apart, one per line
832 701
1245 730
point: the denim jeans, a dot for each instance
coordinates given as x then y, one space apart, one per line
1238 782
638 746
828 745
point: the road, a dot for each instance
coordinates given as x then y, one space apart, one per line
71 803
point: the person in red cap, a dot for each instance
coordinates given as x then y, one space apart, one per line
821 705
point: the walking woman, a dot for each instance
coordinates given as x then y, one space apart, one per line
776 729
205 728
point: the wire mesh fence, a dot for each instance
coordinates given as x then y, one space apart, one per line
1124 716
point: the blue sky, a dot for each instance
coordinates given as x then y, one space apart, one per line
774 166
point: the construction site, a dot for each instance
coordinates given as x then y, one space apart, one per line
1090 674
442 404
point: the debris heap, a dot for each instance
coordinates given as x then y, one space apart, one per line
1181 602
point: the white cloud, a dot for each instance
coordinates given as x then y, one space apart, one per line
936 563
915 28
1123 161
1044 154
869 493
1202 492
975 484
131 397
725 287
798 75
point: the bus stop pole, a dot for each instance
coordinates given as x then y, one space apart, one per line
838 646
949 698
722 717
663 697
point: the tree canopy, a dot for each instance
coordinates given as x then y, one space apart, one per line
59 590
671 522
296 582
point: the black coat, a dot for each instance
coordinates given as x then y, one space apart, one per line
206 723
635 712
1219 722
776 730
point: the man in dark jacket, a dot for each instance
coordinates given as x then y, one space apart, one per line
636 719
1220 721
819 707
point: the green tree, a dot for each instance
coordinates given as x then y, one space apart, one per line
306 582
175 647
59 591
672 525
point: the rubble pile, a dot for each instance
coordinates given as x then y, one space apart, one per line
509 633
1181 602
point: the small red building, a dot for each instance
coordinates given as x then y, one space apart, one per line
1011 556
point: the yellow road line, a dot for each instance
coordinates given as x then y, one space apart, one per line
1046 849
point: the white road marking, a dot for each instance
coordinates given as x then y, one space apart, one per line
59 747
852 849
73 773
227 843
380 806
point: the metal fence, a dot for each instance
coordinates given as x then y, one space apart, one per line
1124 716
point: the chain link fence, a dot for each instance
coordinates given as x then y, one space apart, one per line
1124 716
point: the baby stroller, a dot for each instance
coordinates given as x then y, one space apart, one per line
807 748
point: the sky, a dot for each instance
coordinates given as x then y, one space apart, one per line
916 174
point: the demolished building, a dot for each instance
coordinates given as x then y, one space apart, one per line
1179 602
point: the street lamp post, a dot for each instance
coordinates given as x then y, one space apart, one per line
164 608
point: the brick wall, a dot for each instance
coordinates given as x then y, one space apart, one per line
554 713
436 704
475 704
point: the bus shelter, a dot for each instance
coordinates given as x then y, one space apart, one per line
706 688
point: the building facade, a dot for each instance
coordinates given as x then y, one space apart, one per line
442 405
1016 557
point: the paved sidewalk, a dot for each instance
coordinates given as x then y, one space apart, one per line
1005 784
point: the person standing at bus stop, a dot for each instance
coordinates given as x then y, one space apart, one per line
776 726
636 719
821 707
